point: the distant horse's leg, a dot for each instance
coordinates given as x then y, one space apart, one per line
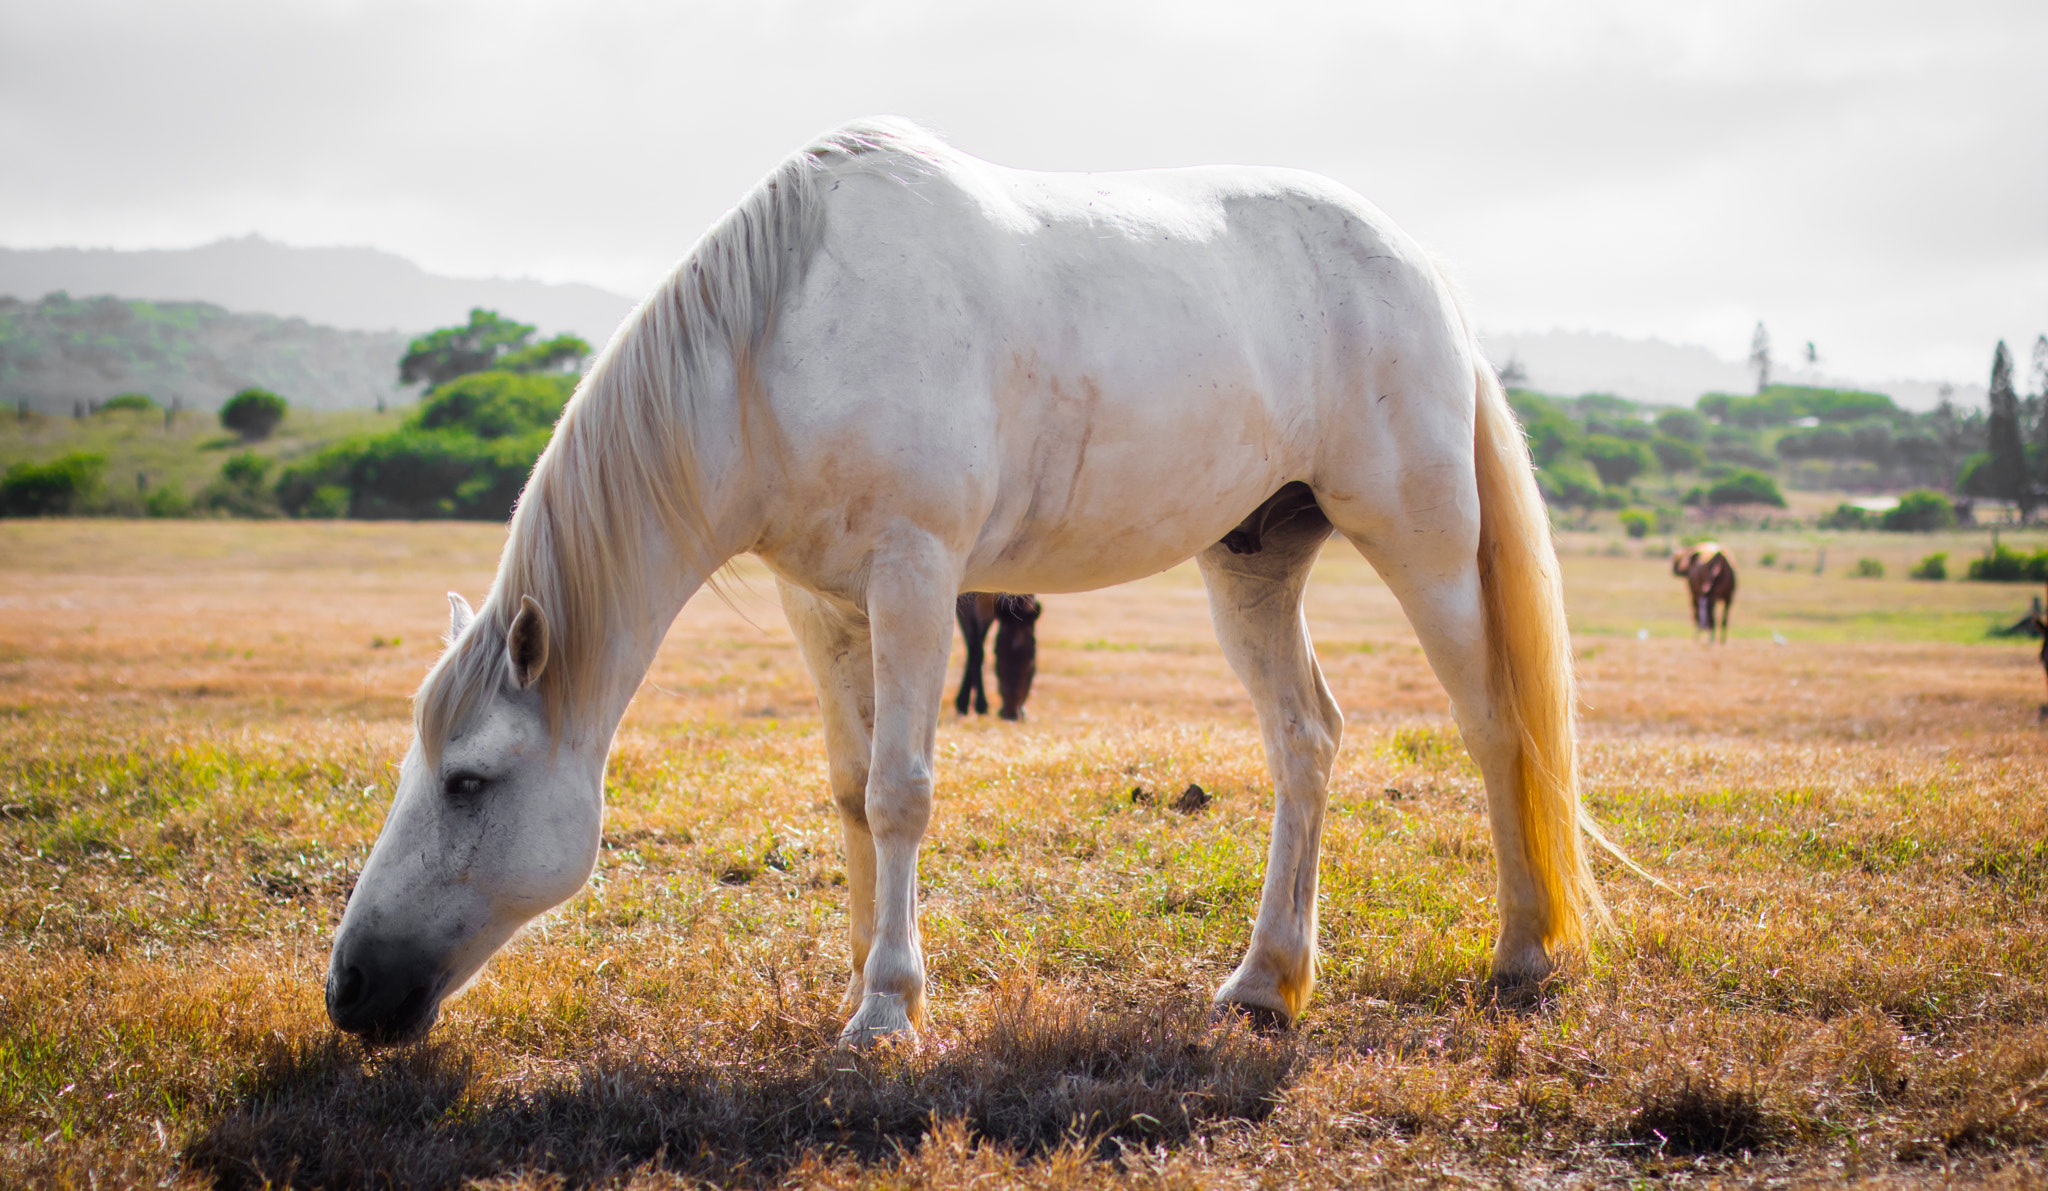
910 602
840 655
1255 601
1016 653
973 630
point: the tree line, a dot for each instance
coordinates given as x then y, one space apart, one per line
492 398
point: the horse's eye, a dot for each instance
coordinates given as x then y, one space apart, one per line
464 785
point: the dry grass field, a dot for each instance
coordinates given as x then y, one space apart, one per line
1847 980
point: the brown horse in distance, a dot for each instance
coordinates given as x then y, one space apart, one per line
1710 578
2041 630
1015 618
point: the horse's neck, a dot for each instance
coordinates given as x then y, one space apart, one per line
636 605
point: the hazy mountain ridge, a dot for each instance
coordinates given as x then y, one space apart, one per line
358 289
60 351
1568 363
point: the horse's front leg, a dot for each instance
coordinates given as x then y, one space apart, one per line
910 605
840 655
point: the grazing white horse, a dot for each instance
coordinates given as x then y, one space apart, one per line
895 373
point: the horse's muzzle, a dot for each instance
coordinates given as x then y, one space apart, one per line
385 1000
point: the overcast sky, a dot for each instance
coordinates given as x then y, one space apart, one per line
1870 176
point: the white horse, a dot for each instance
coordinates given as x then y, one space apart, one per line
894 373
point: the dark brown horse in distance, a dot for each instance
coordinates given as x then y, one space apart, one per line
1710 577
1016 619
2041 631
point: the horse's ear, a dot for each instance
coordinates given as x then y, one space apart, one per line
526 643
459 616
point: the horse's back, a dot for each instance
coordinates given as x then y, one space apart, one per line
1103 373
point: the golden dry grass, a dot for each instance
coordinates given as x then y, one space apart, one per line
1845 982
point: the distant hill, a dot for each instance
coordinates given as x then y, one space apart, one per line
360 289
1568 363
59 351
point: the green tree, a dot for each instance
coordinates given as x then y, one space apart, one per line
2040 402
488 342
1683 424
1552 433
132 402
1618 460
2008 453
1675 455
253 413
563 353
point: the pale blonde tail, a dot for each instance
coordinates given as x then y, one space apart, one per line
1530 671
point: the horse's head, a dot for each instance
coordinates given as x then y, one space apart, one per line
1681 562
495 821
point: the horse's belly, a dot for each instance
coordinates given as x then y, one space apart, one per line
1126 486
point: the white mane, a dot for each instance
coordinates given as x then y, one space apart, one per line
623 447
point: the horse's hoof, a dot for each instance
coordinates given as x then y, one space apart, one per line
881 1018
1260 1020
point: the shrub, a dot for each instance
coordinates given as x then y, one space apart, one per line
1934 566
1746 488
140 403
415 473
51 489
239 491
495 404
1868 568
253 413
1922 510
1770 559
2002 564
166 501
1846 516
1637 522
328 502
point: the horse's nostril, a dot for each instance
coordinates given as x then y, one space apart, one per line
349 990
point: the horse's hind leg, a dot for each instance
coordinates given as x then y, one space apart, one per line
1255 600
838 651
1433 571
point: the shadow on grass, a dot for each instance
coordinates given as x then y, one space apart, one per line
1036 1078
